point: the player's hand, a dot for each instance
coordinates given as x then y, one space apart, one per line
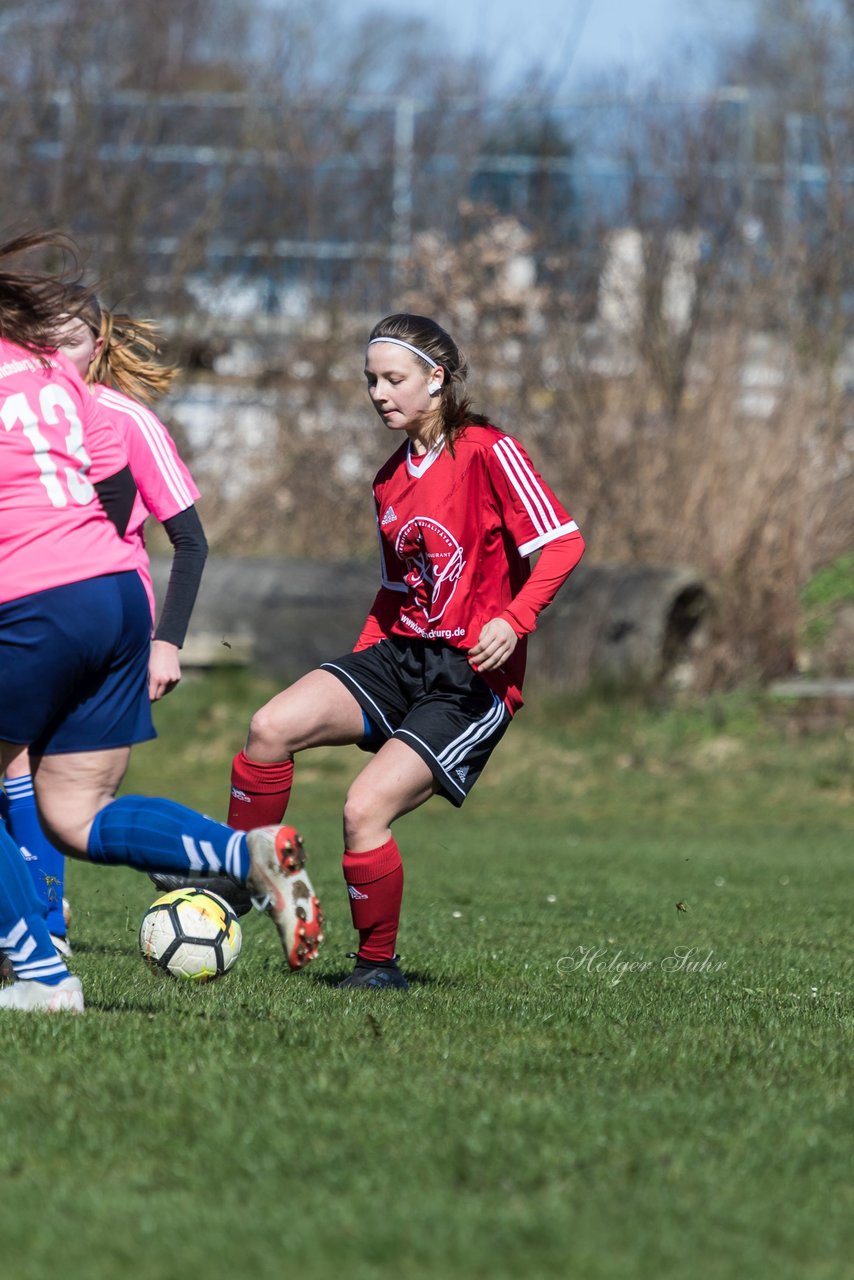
164 669
495 644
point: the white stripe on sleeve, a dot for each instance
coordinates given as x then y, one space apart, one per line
527 485
156 437
528 548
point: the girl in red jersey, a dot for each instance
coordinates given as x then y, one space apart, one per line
436 674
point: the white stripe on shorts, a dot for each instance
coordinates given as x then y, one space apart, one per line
457 750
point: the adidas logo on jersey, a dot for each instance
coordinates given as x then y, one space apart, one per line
462 773
389 517
354 893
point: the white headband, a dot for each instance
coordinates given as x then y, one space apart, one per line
398 342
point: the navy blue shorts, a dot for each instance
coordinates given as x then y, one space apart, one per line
74 666
425 693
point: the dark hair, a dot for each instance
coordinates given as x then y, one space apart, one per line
128 359
455 410
89 308
34 303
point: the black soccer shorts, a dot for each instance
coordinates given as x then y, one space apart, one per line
425 693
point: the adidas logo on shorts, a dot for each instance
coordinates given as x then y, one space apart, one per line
389 516
462 773
354 892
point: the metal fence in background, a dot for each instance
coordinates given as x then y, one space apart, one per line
330 195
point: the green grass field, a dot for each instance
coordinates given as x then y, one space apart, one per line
584 1081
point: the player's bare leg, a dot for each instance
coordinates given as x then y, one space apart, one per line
72 788
19 764
316 711
394 783
9 752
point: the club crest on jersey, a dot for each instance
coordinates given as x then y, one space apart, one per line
389 517
434 562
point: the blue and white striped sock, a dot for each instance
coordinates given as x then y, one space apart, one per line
24 935
152 834
45 864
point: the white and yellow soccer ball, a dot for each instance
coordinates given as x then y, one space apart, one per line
191 934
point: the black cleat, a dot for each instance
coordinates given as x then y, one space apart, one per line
378 977
237 896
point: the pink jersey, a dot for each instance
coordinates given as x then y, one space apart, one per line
55 444
164 485
455 533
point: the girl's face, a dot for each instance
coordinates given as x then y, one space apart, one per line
397 385
77 341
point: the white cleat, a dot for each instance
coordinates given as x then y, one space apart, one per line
61 945
280 887
37 997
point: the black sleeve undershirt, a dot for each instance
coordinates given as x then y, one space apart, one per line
117 494
190 548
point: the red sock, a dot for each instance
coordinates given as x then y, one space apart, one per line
375 884
259 792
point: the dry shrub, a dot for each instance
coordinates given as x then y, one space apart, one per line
742 496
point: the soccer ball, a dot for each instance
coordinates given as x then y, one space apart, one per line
191 934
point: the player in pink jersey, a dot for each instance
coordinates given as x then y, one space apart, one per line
75 631
437 672
117 357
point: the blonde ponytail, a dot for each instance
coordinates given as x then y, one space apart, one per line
128 359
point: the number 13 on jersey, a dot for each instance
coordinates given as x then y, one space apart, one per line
56 408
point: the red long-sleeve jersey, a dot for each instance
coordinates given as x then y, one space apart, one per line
455 533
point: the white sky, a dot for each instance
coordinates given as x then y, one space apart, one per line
571 40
